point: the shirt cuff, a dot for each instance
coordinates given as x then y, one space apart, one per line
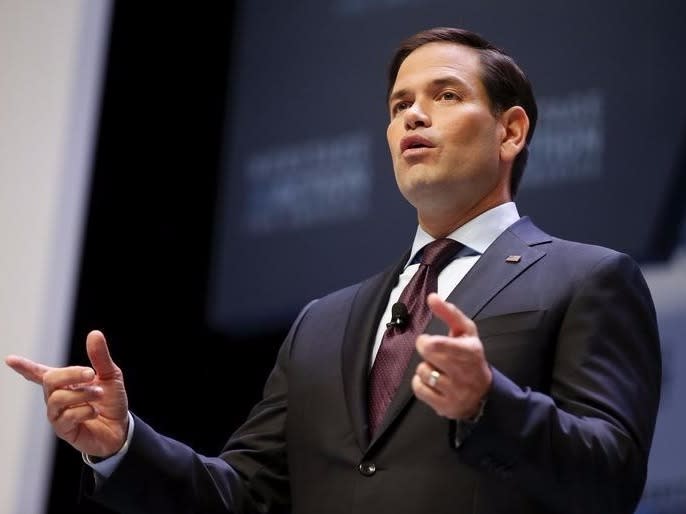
106 467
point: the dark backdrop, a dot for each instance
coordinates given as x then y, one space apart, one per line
306 184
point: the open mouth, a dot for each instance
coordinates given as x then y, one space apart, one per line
414 142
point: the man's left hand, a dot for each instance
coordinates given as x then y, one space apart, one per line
454 376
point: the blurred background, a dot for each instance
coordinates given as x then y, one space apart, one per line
186 179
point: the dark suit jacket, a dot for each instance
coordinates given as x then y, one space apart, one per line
571 335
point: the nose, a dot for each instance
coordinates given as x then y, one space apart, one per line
415 117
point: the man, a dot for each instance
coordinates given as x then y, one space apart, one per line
537 395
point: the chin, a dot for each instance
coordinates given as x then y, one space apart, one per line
428 195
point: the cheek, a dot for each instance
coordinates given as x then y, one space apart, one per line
476 136
391 136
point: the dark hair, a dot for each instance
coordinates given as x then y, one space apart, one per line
505 83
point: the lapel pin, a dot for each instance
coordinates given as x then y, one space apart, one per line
513 258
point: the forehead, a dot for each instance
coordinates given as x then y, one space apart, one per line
440 59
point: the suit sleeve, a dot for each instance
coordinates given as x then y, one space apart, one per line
582 448
160 474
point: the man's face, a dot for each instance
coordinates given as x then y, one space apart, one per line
443 137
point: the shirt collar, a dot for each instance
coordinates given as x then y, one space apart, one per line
477 234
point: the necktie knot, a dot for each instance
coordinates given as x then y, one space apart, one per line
439 252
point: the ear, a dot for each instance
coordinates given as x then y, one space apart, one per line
516 125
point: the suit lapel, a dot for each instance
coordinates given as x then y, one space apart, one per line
486 279
367 308
492 272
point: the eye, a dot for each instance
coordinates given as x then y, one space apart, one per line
399 106
449 96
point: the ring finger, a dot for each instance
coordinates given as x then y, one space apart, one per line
431 377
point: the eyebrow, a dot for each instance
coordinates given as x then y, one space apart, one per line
440 81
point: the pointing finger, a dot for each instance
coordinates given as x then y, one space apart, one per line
458 323
27 368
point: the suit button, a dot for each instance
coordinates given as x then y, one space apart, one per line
367 468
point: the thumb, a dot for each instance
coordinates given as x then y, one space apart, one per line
458 323
99 354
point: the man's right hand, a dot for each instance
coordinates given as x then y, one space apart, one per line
87 407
